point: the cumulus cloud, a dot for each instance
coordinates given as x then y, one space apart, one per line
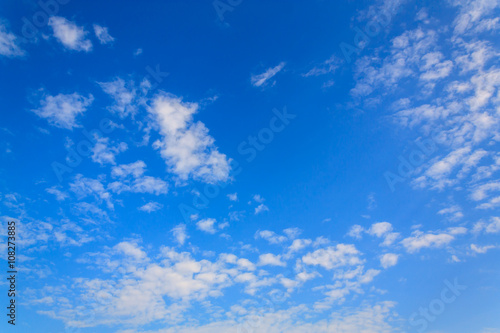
73 37
270 236
180 234
62 110
103 153
124 94
260 209
270 259
389 260
186 146
420 240
334 257
207 225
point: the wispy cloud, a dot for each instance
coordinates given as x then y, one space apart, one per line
261 79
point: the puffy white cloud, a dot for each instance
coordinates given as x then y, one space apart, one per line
233 196
135 169
9 46
389 260
270 236
180 234
69 34
356 231
261 79
380 229
207 225
334 257
102 34
260 209
269 259
187 148
124 94
102 153
62 110
419 240
151 207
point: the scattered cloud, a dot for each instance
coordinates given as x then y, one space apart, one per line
151 207
186 146
62 110
9 45
69 34
261 79
102 34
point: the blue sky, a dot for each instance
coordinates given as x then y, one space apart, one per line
251 166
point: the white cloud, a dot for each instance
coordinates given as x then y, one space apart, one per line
180 234
135 169
334 257
356 231
102 34
329 66
389 260
420 240
260 79
84 187
188 149
270 236
151 207
131 250
454 212
69 34
473 16
9 46
233 196
124 95
380 229
292 233
299 244
62 110
258 198
270 259
260 209
102 153
132 179
494 226
206 225
60 195
481 249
